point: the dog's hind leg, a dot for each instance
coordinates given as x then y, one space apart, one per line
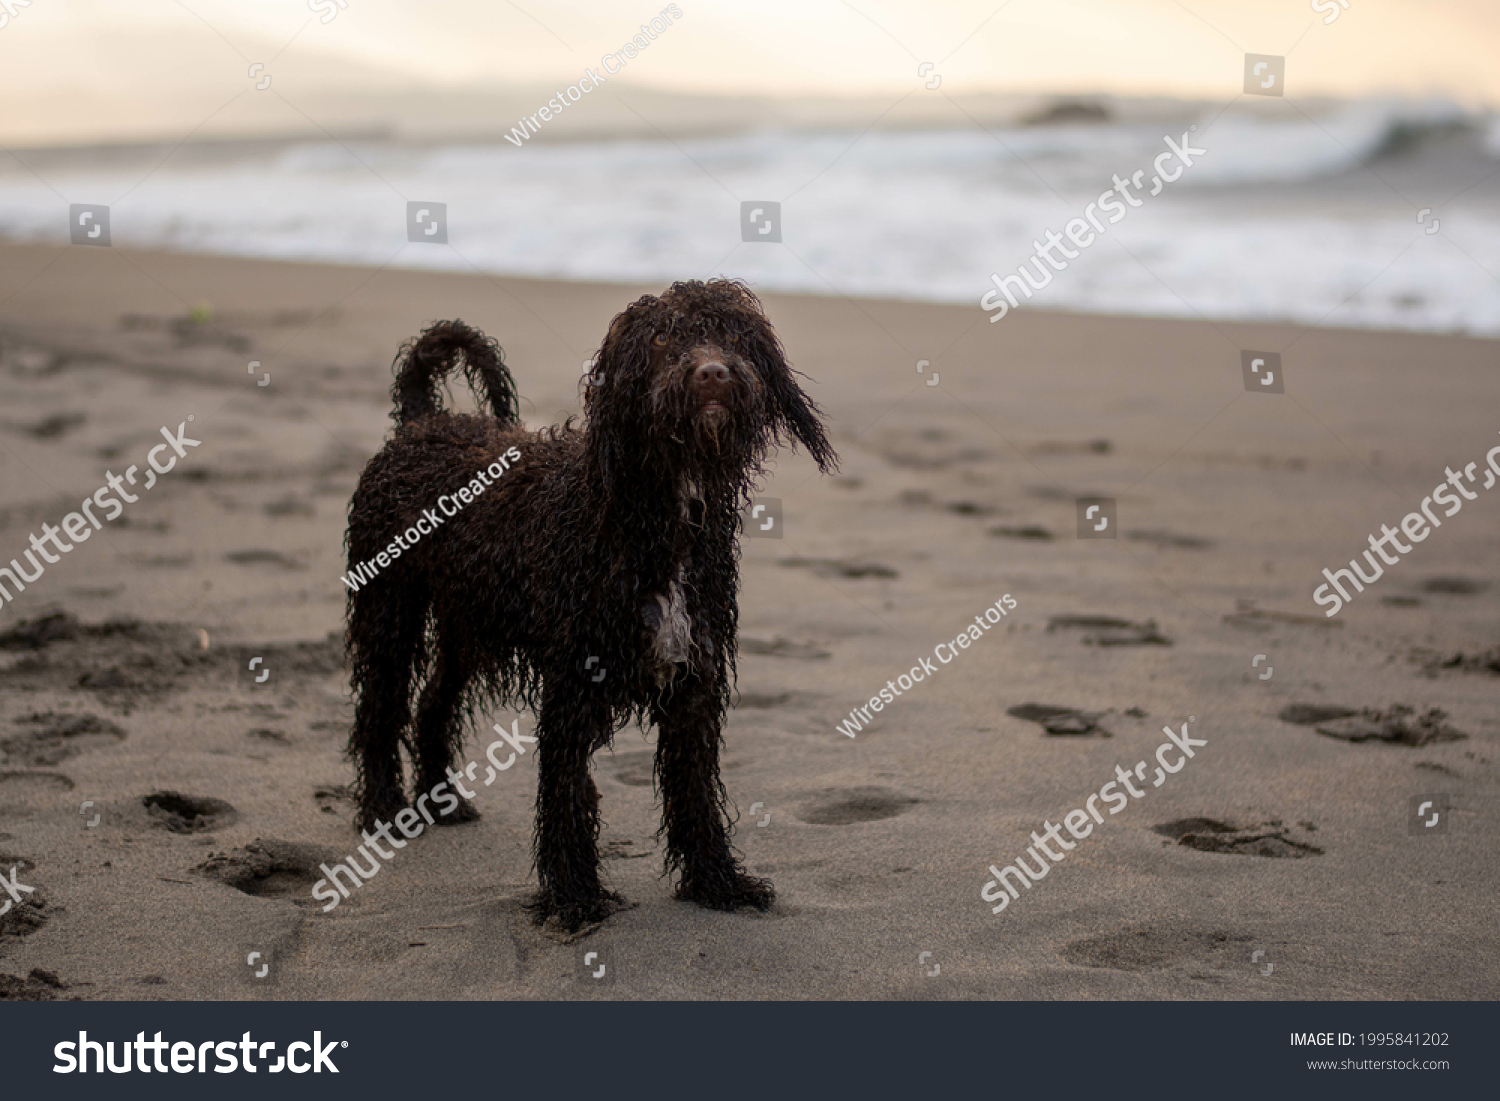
569 725
386 649
439 738
693 802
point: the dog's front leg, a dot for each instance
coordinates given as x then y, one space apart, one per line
694 819
569 725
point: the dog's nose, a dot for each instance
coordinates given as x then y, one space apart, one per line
711 372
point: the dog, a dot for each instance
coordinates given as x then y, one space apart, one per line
594 580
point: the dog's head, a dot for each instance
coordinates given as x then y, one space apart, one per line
696 381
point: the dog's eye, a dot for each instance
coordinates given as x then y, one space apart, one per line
660 340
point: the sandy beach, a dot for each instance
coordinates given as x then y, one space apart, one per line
170 810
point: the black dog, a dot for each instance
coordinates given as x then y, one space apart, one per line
608 549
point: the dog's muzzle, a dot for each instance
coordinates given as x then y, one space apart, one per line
712 384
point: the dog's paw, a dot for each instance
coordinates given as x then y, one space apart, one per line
573 915
464 812
728 891
372 814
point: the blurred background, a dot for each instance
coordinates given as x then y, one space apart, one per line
915 148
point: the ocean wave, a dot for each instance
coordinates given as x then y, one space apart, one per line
920 215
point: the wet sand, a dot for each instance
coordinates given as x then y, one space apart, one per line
1274 838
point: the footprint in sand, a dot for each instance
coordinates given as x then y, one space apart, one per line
181 813
621 849
846 806
1262 839
1455 586
1148 949
162 561
781 648
38 633
289 505
105 679
51 427
1162 538
762 701
268 868
841 567
329 799
39 986
1071 447
21 793
971 508
1485 661
1106 630
928 449
22 784
634 769
1395 725
1061 720
258 557
1028 531
54 737
1248 617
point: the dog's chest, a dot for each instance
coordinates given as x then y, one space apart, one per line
668 618
673 639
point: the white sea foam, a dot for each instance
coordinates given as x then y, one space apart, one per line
1256 230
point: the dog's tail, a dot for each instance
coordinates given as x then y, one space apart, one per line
421 365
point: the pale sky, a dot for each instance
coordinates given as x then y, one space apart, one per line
65 62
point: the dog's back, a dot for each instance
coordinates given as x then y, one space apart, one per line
473 488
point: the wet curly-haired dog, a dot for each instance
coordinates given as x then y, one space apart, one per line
610 548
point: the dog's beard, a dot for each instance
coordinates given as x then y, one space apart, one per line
721 442
717 441
709 424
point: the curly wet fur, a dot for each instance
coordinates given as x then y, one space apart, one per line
610 540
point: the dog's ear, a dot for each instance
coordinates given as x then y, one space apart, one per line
804 420
613 387
789 412
625 353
